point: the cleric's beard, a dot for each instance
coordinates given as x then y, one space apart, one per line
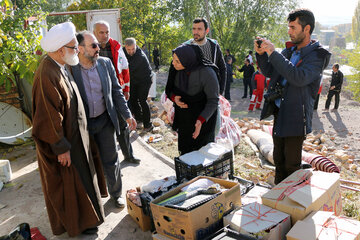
71 59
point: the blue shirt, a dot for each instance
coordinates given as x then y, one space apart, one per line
295 58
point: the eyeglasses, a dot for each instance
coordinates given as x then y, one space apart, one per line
74 47
93 45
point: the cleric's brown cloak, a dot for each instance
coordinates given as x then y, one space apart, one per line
72 194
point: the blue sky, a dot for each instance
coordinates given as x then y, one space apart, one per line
331 12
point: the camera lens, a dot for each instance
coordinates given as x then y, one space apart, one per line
259 43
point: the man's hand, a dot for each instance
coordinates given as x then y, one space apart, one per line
126 95
179 102
132 123
64 159
332 87
198 125
266 46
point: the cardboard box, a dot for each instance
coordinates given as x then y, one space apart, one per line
260 221
199 222
5 170
254 195
157 236
325 226
305 191
138 215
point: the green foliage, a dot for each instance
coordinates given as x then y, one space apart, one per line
353 80
234 23
355 28
19 41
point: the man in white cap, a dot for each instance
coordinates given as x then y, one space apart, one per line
70 177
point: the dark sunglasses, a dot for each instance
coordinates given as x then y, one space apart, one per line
95 45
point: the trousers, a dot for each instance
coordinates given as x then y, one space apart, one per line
287 156
329 97
102 130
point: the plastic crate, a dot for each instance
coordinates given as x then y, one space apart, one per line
217 168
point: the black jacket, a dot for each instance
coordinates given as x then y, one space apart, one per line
139 67
248 71
218 60
337 80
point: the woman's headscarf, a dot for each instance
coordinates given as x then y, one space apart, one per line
189 60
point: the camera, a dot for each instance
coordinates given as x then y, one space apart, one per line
272 96
275 93
259 41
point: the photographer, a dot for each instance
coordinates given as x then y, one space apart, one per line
297 71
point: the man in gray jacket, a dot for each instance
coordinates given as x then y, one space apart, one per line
104 104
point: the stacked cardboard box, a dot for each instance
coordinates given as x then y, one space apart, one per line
259 221
325 226
200 221
305 191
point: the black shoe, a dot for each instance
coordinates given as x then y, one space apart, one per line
90 231
148 129
119 202
305 166
132 160
244 97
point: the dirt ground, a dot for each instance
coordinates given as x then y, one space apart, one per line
341 130
342 125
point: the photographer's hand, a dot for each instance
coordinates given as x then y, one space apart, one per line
268 47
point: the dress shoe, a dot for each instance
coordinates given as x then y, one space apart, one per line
305 166
119 202
244 97
325 110
132 160
90 231
334 110
148 129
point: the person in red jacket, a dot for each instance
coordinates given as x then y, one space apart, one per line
112 49
258 82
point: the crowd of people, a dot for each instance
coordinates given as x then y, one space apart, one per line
90 92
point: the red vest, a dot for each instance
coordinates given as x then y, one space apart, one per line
124 76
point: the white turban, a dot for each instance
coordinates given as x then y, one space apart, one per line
58 36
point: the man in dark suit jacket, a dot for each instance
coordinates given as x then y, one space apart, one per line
104 104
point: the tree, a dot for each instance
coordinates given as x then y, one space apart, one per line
236 23
148 21
355 28
353 80
19 41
